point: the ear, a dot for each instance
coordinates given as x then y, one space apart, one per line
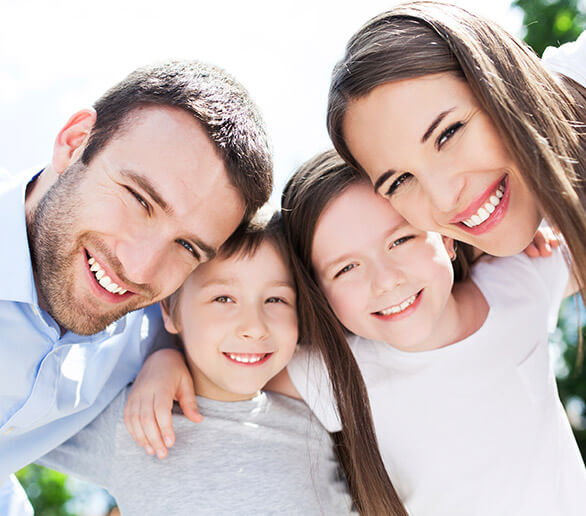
170 325
450 247
72 139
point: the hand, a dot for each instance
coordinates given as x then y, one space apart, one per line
543 242
164 377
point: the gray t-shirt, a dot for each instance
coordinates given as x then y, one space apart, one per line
268 455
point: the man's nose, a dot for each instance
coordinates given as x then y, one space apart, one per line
142 260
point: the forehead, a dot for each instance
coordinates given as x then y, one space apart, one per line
351 219
394 116
265 265
171 149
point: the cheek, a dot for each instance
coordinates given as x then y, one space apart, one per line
344 300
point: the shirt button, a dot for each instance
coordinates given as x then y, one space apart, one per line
8 430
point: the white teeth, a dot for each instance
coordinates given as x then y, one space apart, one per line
246 359
483 214
484 211
398 308
103 279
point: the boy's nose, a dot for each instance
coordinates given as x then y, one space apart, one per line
252 325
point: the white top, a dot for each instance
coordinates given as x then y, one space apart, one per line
475 428
569 59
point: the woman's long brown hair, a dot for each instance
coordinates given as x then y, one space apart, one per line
540 118
305 196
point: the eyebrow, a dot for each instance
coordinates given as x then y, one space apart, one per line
342 258
228 282
382 178
145 184
434 124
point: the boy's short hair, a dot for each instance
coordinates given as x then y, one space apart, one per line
265 226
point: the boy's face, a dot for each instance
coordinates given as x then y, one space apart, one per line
384 279
238 321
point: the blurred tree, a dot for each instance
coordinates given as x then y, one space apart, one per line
46 490
551 22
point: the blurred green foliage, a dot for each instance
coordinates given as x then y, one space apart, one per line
46 490
551 23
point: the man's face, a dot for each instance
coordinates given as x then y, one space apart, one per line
125 231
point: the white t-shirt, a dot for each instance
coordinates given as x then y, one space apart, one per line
475 428
569 59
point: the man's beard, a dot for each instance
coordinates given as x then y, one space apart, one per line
55 245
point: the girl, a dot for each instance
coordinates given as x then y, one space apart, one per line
463 397
255 452
462 129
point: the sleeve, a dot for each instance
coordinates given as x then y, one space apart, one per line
309 374
90 454
568 60
554 273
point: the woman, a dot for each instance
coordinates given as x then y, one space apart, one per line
461 127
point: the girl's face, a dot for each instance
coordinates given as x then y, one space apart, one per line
384 279
431 150
238 321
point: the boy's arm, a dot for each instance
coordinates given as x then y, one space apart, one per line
164 377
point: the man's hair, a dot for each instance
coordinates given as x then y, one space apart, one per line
215 99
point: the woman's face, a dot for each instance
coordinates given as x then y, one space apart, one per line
430 149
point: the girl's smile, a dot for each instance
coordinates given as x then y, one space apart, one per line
430 149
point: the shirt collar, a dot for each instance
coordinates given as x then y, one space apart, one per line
16 273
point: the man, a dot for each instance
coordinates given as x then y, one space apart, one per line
140 191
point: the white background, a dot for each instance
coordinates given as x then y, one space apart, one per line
59 56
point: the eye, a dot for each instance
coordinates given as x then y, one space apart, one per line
403 178
186 245
400 241
139 199
345 269
447 134
223 299
275 299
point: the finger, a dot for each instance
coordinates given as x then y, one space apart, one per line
532 251
131 419
151 430
163 414
186 397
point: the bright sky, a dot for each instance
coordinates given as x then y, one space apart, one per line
58 56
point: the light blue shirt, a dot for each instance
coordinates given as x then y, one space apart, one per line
51 386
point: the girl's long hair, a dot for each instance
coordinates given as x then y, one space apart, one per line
305 196
539 117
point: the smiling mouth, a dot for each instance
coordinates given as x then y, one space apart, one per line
247 359
485 211
102 278
401 307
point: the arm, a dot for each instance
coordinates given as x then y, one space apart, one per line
164 377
